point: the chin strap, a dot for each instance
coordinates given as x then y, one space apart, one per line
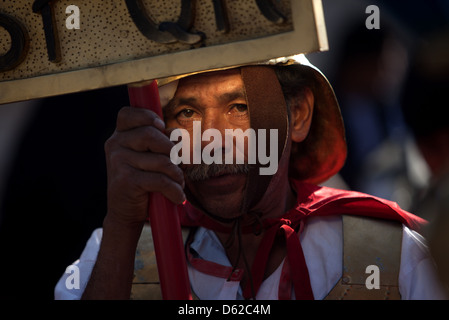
267 110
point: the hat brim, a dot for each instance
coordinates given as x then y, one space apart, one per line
323 153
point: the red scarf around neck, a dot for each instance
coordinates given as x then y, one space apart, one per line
313 201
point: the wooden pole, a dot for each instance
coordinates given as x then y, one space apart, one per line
163 215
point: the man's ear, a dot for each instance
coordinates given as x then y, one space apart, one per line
301 114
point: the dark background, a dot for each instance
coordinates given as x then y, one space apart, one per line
54 181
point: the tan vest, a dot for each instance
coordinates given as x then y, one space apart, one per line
366 241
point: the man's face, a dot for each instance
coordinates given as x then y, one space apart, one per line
216 100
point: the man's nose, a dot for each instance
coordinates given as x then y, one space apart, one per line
213 132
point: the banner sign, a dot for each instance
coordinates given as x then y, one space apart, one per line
53 47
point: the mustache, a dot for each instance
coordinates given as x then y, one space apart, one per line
200 172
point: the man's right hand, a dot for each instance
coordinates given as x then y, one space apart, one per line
138 162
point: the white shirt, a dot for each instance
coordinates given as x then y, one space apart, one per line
322 243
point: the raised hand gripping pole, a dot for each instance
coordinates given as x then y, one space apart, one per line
164 219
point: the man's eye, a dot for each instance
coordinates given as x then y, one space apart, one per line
186 113
239 107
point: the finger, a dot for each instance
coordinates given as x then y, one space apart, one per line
159 182
149 162
144 139
129 118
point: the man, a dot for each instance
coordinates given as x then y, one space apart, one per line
253 236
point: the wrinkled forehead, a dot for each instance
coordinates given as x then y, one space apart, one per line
210 78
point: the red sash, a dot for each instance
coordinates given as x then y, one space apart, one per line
312 200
